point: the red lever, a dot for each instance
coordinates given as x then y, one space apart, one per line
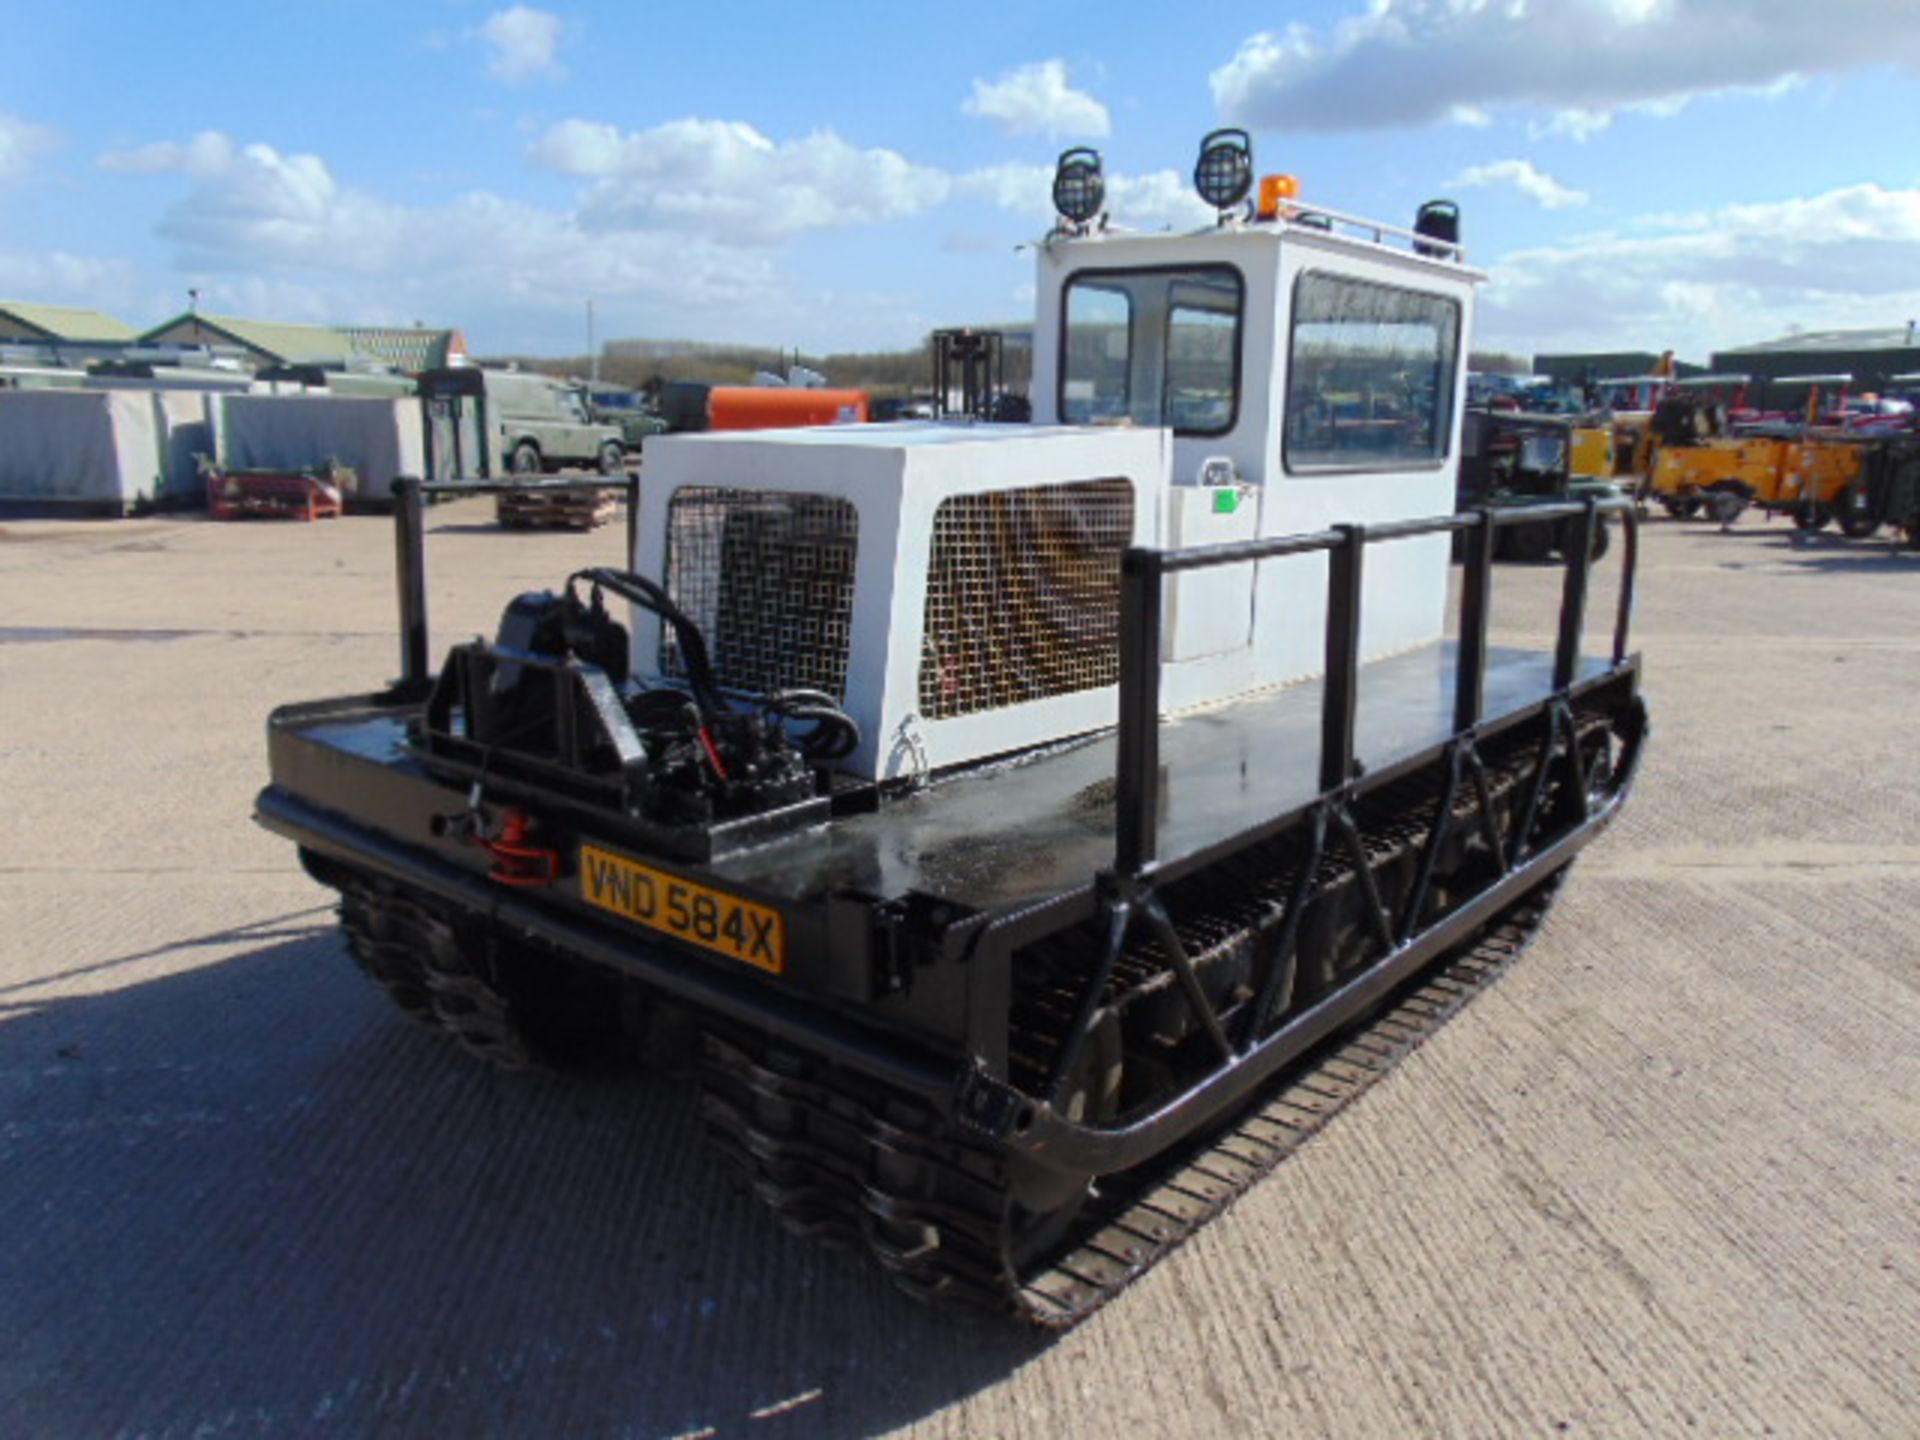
515 860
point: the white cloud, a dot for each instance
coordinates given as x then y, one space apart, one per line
1026 189
1159 200
209 153
1418 62
1036 100
1711 279
525 44
60 278
21 141
266 232
726 179
1536 185
1575 124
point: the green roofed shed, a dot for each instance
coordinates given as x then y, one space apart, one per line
24 320
268 341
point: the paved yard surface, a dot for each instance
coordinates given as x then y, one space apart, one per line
1664 1177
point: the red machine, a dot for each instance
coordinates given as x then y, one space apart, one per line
276 494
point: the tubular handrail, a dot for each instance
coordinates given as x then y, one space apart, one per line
1142 623
484 486
1442 249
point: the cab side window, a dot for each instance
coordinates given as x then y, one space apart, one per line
1370 376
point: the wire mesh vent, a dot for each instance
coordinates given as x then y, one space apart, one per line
1023 595
768 577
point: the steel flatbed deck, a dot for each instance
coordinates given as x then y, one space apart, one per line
1004 836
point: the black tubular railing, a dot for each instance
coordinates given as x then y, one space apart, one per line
1142 620
410 559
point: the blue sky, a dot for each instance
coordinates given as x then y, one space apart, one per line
1635 173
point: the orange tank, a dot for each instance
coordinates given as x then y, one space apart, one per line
756 407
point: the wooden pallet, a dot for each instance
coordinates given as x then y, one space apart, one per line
555 509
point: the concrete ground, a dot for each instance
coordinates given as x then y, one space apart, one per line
1664 1177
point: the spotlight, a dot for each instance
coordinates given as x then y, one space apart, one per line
1224 173
1079 189
1438 220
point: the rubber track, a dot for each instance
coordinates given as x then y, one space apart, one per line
413 953
838 1159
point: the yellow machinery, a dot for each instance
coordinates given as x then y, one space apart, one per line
1592 455
1686 478
1630 400
1807 471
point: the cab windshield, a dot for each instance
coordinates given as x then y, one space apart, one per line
1152 347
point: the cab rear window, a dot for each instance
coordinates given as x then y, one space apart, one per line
1153 347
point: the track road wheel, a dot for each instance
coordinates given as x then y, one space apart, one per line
1812 517
386 942
1528 543
1042 1202
1570 536
500 999
525 459
612 458
1725 506
1857 520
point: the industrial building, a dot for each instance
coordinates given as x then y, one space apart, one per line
73 337
262 343
1872 357
61 335
1586 367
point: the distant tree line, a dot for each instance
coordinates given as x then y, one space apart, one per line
1499 362
633 363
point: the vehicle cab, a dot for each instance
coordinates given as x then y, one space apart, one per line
1311 368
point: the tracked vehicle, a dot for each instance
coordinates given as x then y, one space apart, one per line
1033 832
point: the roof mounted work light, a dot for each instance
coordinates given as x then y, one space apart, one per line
1224 172
1438 220
1079 189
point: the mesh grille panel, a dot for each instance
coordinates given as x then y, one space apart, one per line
768 577
1023 595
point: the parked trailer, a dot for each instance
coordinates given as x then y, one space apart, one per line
690 406
1042 828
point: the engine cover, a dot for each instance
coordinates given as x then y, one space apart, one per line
954 587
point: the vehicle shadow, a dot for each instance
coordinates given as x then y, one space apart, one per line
251 1198
493 527
1815 550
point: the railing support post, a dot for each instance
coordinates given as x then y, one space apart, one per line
1137 783
632 556
1629 568
1476 606
410 569
1341 695
1573 595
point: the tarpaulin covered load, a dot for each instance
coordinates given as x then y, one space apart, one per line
92 450
187 422
377 439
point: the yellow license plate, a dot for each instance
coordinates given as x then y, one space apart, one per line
736 928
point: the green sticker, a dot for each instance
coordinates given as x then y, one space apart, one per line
1226 500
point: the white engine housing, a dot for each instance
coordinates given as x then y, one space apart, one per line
955 587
